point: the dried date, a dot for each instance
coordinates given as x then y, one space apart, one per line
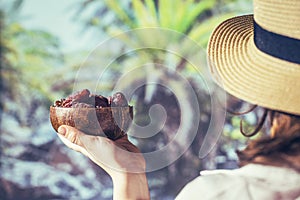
118 100
81 96
84 99
82 105
99 101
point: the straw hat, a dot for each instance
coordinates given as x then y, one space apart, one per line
257 57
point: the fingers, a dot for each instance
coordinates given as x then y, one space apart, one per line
68 135
71 134
79 141
112 156
70 144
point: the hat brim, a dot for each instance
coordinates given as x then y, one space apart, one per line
249 74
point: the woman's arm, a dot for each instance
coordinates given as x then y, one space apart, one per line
120 159
131 186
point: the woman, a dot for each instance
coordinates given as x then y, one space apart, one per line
255 58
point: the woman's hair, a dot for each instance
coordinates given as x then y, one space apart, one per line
284 123
281 148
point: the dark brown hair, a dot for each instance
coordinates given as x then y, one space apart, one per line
280 148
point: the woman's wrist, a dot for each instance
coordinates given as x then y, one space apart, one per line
130 186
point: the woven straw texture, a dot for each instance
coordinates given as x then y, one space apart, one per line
249 74
278 16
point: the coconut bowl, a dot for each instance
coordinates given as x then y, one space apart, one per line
112 122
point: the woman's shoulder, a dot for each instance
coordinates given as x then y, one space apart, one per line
253 180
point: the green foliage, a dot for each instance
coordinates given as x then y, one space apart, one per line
180 16
32 54
29 60
192 19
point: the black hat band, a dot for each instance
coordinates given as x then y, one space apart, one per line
277 45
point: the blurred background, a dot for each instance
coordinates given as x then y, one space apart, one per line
45 43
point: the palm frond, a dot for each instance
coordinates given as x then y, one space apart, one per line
120 12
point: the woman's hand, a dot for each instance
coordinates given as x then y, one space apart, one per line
120 159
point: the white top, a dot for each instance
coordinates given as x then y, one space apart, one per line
252 181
